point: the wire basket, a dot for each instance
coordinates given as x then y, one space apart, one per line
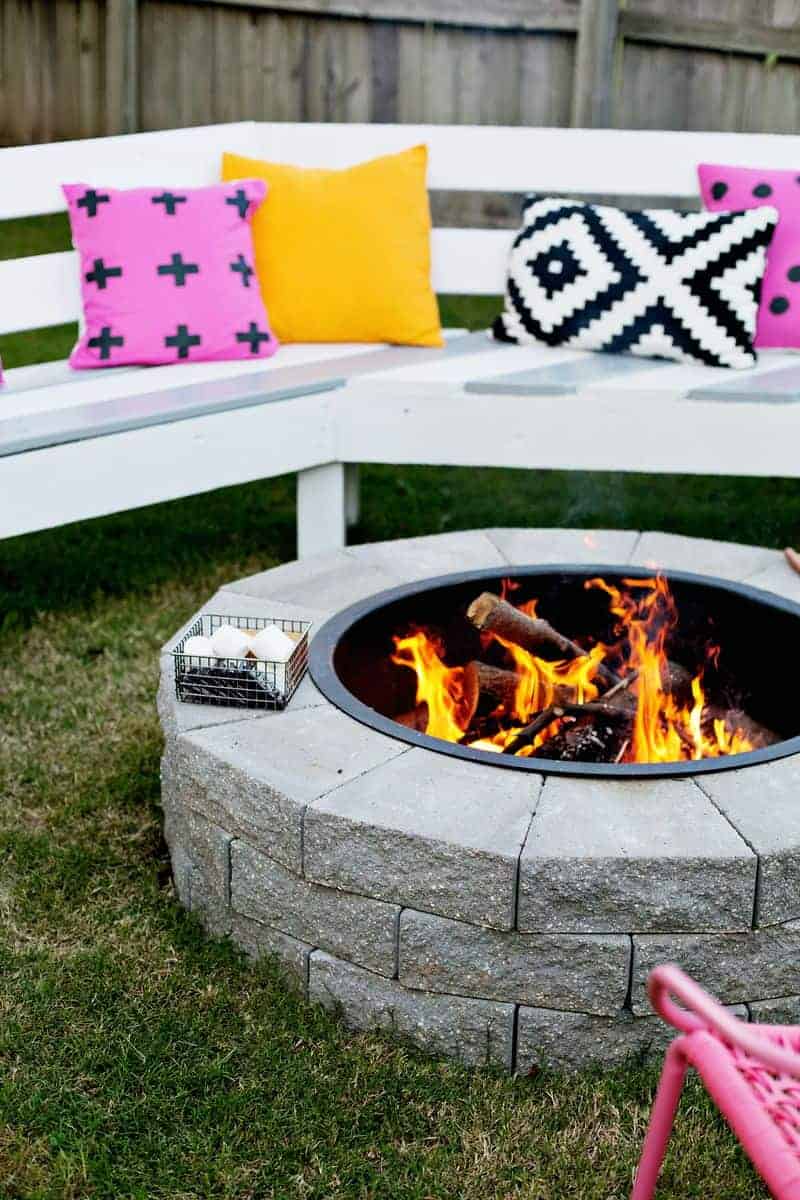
240 682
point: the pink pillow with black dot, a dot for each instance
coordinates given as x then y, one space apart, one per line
168 275
732 188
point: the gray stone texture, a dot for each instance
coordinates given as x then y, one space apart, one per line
701 556
259 941
783 1010
359 929
778 578
765 809
525 547
417 831
407 559
606 855
478 1032
568 971
736 968
567 1041
200 854
328 582
255 777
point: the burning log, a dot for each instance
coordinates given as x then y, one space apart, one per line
738 721
416 718
594 709
481 679
489 614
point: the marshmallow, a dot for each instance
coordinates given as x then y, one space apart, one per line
271 644
198 647
228 642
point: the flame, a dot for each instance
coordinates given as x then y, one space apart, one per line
665 727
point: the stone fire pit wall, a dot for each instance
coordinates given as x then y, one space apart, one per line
489 915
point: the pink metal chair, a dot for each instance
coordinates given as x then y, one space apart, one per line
752 1072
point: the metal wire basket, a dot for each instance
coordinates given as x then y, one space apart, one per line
240 682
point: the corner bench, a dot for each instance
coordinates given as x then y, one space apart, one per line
76 445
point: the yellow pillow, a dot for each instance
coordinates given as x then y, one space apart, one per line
344 255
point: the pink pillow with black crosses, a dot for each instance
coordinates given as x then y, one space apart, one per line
167 276
724 188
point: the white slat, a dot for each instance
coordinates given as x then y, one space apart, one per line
462 157
44 288
32 175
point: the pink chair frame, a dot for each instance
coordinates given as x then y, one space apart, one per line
752 1072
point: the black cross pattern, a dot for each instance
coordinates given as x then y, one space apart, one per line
254 336
104 342
101 274
169 200
179 269
182 340
242 266
240 202
91 201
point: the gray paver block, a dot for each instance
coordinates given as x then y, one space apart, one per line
567 1041
702 556
478 1032
606 855
259 941
415 558
357 928
328 582
764 805
256 777
200 853
778 578
735 967
587 972
783 1010
416 831
531 546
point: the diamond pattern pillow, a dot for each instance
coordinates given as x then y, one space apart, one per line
656 283
168 276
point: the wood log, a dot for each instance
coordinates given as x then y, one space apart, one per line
793 558
738 721
416 718
486 680
489 614
594 709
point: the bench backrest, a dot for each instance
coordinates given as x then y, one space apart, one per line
42 290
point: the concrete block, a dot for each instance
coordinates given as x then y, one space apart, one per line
607 855
527 547
764 806
416 831
587 972
735 967
478 1032
701 556
359 929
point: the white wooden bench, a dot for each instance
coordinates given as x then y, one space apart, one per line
76 445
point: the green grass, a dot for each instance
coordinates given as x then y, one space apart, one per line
139 1058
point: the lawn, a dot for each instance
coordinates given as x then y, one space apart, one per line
139 1058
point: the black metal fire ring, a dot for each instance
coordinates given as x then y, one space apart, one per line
324 644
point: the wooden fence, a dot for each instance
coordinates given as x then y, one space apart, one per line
78 68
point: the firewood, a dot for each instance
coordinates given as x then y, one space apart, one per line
416 718
738 721
594 709
489 614
793 559
485 680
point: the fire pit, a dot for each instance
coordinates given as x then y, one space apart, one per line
508 916
616 671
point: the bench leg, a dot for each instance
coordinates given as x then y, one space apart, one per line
320 509
352 494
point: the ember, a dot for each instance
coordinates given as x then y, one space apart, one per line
535 692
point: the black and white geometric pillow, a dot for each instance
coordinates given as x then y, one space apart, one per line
657 283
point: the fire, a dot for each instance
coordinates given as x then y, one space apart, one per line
669 721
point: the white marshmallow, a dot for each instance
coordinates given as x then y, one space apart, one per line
271 644
228 642
198 647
